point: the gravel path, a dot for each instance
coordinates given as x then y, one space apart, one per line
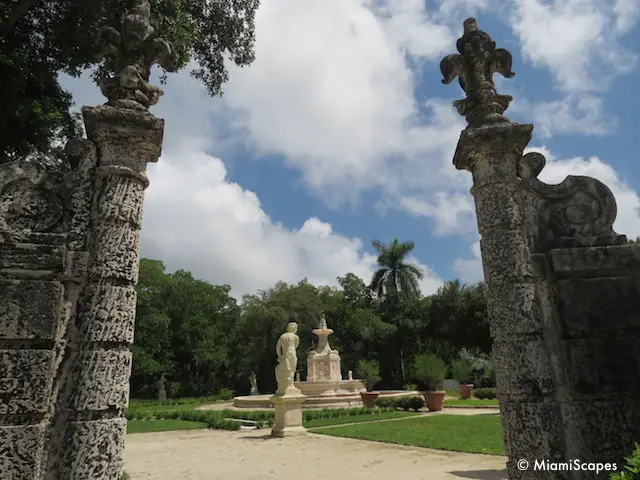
254 455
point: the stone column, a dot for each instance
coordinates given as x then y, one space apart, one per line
491 148
563 287
529 412
89 428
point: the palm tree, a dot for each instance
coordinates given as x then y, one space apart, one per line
393 282
395 278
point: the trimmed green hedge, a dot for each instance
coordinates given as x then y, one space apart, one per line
222 419
485 393
413 402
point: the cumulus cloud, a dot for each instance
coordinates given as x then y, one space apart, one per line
340 106
332 93
577 40
580 43
469 269
196 219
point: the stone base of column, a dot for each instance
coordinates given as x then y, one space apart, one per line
288 409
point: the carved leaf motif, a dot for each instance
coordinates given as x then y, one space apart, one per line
135 49
451 66
502 63
110 42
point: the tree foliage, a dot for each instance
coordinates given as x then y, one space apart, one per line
203 341
395 277
40 38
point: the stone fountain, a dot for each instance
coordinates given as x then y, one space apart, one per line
324 386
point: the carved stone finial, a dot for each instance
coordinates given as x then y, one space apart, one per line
475 65
135 49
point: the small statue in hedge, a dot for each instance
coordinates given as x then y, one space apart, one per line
162 389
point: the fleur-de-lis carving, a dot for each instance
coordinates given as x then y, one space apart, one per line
475 65
135 49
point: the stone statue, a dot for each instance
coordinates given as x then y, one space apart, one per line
287 358
254 383
162 389
349 375
297 376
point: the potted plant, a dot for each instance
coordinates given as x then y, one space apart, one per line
431 370
462 371
369 372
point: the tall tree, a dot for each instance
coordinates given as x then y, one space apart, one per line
395 282
395 278
40 38
265 317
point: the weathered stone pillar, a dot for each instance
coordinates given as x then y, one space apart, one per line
523 370
563 292
89 427
69 253
491 148
41 260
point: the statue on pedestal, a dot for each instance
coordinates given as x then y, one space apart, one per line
162 389
287 359
254 383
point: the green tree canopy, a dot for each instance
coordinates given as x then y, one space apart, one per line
395 277
40 38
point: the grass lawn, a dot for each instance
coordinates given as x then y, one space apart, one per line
325 422
472 402
459 433
146 426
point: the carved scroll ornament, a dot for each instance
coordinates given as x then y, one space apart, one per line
579 212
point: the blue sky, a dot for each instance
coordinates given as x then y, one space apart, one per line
341 132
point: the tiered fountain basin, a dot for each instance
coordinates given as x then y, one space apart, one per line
344 393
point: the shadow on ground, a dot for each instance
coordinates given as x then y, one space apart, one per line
482 474
267 436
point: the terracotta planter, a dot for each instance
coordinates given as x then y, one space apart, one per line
465 390
369 398
435 400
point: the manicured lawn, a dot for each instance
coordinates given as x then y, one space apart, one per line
472 402
325 422
460 433
146 426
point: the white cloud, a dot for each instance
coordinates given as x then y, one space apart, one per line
626 14
582 114
331 91
196 219
469 270
577 40
580 42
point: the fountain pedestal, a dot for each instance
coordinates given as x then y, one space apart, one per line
323 363
288 414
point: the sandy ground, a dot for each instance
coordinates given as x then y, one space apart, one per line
255 455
